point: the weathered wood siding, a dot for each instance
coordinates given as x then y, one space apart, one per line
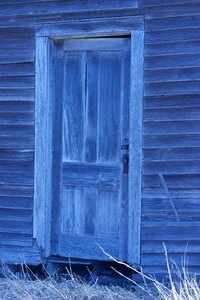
171 141
171 132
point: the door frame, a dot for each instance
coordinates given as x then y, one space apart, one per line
46 36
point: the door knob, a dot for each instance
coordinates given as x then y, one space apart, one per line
125 156
125 161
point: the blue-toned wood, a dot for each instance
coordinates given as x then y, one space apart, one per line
182 181
89 199
11 253
170 120
176 127
162 179
135 148
168 154
60 6
180 34
109 106
43 136
172 141
22 69
73 106
125 111
91 108
114 26
172 114
57 135
172 22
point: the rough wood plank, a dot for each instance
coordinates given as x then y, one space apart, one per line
172 114
174 127
169 61
168 88
74 106
60 6
172 74
16 191
171 141
173 22
167 101
135 146
110 85
88 248
114 26
172 247
191 259
181 181
43 142
173 167
13 240
92 99
182 154
16 56
172 35
17 69
13 254
12 201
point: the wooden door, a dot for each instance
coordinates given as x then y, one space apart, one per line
90 186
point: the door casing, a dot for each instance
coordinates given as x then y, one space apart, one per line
47 36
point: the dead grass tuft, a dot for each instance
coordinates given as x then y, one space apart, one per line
29 288
181 286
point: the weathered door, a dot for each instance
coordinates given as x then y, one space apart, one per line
91 133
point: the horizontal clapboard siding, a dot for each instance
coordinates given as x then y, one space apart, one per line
12 253
16 214
171 134
16 136
171 143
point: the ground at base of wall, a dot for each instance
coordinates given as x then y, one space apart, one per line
73 289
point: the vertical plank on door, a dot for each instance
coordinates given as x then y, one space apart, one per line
74 106
123 226
90 198
107 221
91 106
57 117
109 106
72 210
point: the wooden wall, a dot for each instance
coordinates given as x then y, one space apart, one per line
171 132
171 142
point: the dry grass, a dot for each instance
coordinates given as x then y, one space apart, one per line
49 289
75 289
13 288
182 286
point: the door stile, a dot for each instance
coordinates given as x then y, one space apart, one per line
135 147
57 117
125 90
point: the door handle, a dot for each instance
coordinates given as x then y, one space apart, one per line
125 157
125 161
125 147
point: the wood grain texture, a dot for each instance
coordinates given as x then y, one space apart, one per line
43 155
170 133
135 146
117 26
171 115
24 252
91 173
